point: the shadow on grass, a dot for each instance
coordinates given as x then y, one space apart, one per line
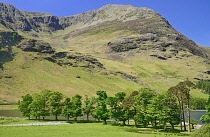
64 120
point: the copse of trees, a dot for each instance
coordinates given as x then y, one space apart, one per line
145 106
198 103
182 92
204 86
205 129
206 118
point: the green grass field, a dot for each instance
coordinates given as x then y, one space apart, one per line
75 130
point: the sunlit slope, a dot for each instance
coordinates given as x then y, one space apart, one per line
114 48
29 73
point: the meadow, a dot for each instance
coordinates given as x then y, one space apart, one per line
78 130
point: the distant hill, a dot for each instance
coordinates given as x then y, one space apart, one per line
114 48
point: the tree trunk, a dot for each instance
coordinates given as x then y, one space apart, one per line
183 117
180 108
135 124
193 126
164 125
56 117
172 126
188 115
124 122
145 124
105 122
87 117
155 122
75 120
68 118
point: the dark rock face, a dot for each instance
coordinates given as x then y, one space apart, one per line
159 57
122 46
75 60
15 19
207 72
156 33
9 39
36 46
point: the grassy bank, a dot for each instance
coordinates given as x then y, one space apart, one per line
78 130
8 107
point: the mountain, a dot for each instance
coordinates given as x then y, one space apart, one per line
114 48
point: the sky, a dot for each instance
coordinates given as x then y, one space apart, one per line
189 17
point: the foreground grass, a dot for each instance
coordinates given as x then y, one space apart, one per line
16 120
74 130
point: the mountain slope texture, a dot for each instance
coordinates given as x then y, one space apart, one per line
114 48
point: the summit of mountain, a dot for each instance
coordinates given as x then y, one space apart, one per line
113 48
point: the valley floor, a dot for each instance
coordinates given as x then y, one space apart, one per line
75 130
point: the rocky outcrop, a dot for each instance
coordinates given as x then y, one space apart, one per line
15 19
156 33
172 43
75 60
36 46
9 39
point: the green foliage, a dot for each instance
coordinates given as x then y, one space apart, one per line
204 85
101 111
40 104
76 106
142 101
67 108
203 132
208 106
206 118
182 92
88 108
55 103
197 103
163 108
144 106
24 105
116 107
78 76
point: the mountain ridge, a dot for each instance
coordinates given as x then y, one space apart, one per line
113 48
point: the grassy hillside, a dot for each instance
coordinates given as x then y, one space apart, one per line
114 48
29 75
29 72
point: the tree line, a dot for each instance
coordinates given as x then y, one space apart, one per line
144 106
204 86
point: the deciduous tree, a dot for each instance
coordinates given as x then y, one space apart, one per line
101 111
76 106
55 99
67 108
116 109
25 105
88 106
